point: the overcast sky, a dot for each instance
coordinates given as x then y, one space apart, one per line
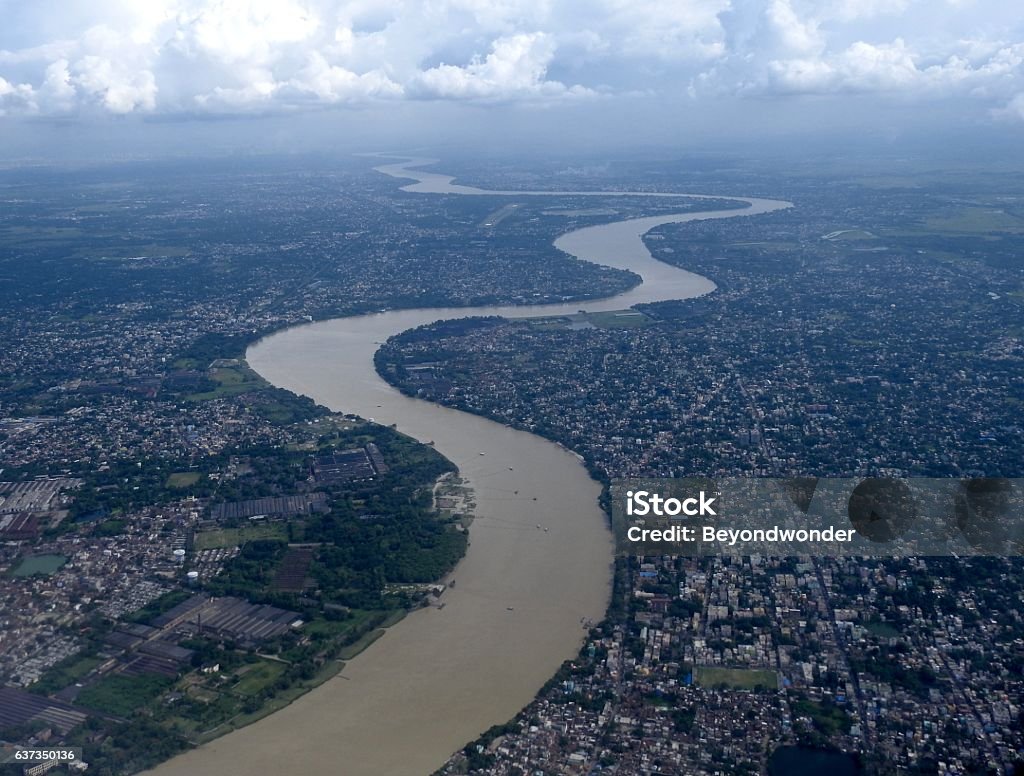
672 65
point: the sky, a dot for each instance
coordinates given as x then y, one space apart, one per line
286 72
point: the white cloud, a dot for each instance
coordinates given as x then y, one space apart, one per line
849 10
861 67
516 67
792 33
249 31
787 48
331 83
57 93
61 57
19 98
112 85
895 68
657 31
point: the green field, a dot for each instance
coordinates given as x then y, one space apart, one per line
976 220
231 537
617 319
259 676
183 479
883 629
231 381
135 252
735 678
612 319
58 233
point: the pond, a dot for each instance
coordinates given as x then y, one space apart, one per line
39 564
804 761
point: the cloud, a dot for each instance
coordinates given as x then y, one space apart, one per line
515 68
896 68
861 67
786 49
108 82
244 31
331 83
790 31
16 98
659 32
226 56
70 57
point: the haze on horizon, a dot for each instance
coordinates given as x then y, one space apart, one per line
112 77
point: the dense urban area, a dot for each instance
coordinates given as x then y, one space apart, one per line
853 336
186 548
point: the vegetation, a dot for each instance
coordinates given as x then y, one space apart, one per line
828 718
183 480
736 678
120 695
234 537
259 677
65 673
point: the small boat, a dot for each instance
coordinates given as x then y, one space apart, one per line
483 453
509 608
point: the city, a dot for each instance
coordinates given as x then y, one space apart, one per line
511 387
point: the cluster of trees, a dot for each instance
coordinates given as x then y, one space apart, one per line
375 532
251 573
889 663
130 485
828 719
127 747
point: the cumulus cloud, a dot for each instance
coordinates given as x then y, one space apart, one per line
896 68
515 68
16 97
109 83
65 57
788 48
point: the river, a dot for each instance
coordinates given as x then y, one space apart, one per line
442 676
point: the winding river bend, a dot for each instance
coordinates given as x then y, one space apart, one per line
441 677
